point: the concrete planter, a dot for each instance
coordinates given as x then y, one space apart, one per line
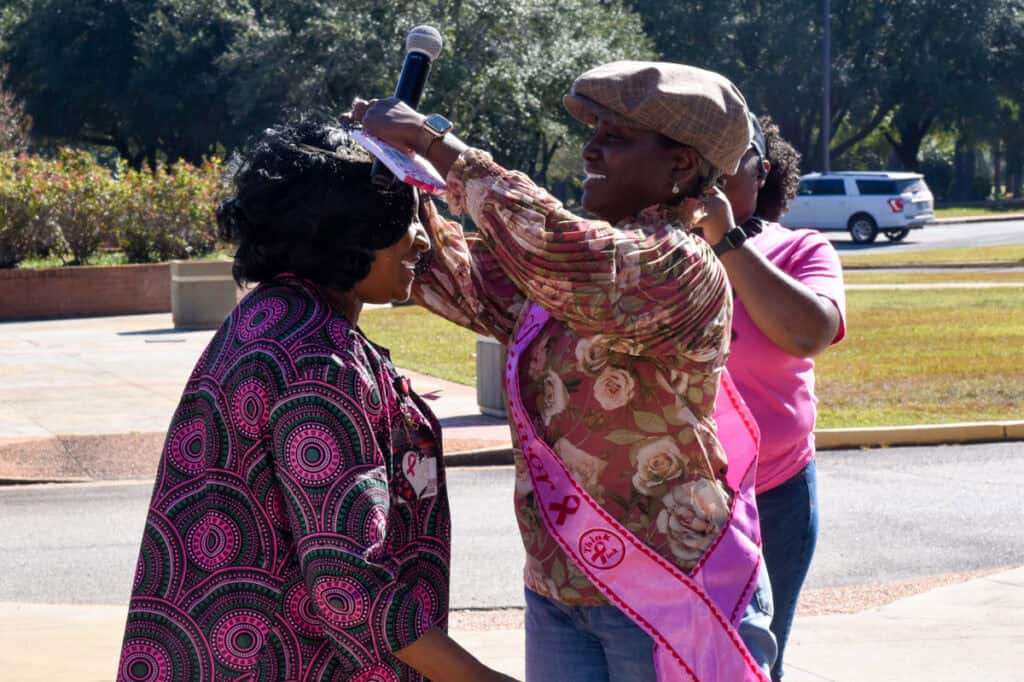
203 293
490 365
84 291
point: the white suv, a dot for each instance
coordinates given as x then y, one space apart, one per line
864 203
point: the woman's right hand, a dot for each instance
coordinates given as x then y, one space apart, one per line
390 119
717 218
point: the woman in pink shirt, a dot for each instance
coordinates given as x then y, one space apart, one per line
789 306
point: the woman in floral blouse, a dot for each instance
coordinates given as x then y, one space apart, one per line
621 383
299 525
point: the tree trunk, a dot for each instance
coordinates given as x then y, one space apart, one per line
997 162
908 146
963 170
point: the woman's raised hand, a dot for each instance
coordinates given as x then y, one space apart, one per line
717 218
390 119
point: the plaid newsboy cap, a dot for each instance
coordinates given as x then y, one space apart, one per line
698 108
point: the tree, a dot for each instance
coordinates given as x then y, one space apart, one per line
177 77
501 75
899 66
772 51
944 69
14 122
73 81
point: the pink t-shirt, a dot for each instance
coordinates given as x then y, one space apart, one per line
779 388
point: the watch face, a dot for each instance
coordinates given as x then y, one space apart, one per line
438 124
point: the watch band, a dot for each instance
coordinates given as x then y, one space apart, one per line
733 239
435 127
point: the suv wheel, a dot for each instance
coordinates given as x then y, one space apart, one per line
896 235
863 228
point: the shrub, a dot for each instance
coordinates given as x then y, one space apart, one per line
72 205
83 197
26 208
169 213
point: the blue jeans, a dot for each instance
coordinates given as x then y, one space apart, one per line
789 532
601 643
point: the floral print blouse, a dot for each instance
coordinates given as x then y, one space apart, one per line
622 381
299 527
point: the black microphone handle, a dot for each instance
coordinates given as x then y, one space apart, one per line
410 86
413 78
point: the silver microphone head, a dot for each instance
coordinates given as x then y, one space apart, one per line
425 39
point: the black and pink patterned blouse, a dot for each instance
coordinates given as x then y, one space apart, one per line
299 527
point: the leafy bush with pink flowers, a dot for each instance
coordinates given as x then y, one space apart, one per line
71 206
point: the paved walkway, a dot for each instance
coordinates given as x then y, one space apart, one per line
966 632
79 394
90 400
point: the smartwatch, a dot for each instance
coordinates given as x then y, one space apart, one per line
434 128
733 239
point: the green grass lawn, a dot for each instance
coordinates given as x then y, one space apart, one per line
112 257
952 276
102 258
1009 255
972 211
934 356
909 357
423 342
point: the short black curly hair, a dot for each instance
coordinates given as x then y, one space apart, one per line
784 177
304 204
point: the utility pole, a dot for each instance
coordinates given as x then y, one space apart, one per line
826 110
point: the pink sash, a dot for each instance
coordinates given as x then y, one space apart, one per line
692 618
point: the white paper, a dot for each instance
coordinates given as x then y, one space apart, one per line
413 170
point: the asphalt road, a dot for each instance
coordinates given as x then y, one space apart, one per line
936 236
887 514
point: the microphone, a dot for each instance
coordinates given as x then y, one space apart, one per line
422 46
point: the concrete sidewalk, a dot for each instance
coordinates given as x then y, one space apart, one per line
90 399
966 632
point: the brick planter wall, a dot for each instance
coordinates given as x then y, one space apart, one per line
84 291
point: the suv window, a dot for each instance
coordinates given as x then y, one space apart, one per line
874 187
912 186
817 188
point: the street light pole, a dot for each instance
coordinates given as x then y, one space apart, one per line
826 115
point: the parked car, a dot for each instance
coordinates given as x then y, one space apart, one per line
865 203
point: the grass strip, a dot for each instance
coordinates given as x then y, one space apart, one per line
976 211
1008 255
943 277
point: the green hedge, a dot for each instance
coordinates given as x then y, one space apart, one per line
71 205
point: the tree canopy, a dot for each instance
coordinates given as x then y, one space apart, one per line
899 66
180 78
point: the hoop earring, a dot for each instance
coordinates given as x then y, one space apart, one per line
675 188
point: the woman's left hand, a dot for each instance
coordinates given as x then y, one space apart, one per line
390 119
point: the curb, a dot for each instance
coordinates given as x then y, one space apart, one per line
72 459
938 434
829 439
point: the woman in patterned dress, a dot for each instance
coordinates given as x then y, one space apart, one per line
621 382
299 526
